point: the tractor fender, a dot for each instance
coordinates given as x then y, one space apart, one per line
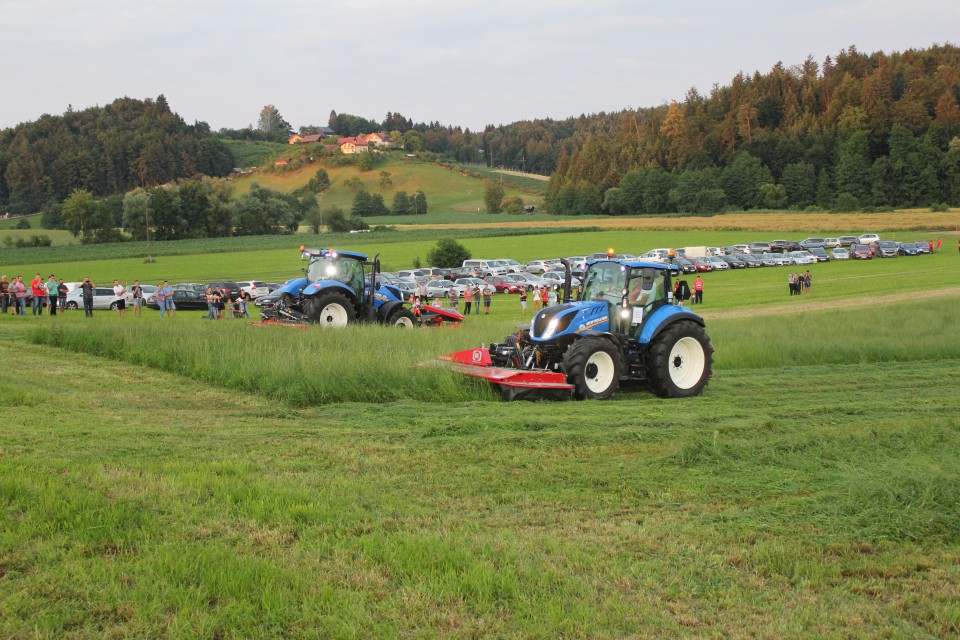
294 287
385 309
663 318
320 286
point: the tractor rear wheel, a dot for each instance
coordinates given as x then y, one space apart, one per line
680 361
593 368
403 319
330 309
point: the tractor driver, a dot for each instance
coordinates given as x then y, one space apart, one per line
643 289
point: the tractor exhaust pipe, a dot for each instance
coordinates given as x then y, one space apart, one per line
567 275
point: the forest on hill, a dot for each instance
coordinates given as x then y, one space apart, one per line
104 150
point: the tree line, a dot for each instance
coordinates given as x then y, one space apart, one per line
104 150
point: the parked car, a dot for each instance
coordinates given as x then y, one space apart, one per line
184 300
556 278
784 246
760 247
821 254
752 262
867 238
685 265
770 260
474 282
840 254
846 241
734 260
512 265
703 264
231 288
503 284
484 268
831 243
801 257
718 263
908 249
539 266
103 298
861 252
441 288
923 246
740 248
148 290
255 288
888 249
407 286
530 279
810 243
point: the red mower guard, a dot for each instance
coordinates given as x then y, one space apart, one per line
513 384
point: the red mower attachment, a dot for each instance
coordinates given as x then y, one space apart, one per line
514 384
431 316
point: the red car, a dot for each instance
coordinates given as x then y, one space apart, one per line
502 285
861 252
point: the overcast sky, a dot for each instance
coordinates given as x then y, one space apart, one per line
461 62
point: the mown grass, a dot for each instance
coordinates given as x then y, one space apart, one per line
784 502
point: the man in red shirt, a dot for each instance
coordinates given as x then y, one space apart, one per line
698 290
39 295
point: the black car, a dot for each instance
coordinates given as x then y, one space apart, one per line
685 265
184 300
232 288
734 261
784 246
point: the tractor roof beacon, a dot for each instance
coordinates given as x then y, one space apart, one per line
339 288
624 329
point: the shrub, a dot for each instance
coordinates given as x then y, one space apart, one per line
939 207
447 253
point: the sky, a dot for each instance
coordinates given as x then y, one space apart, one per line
458 62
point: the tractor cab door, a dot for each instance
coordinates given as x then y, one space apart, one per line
647 290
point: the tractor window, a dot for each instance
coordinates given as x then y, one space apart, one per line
347 271
604 281
647 287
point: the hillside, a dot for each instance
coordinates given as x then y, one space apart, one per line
448 191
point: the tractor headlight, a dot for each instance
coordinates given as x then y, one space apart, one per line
551 329
624 313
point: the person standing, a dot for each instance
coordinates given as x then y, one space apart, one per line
219 302
807 281
62 292
121 302
422 292
51 288
551 298
536 298
4 295
136 295
244 300
938 245
161 297
211 305
791 282
467 300
486 299
86 293
20 295
698 291
523 301
544 296
39 295
454 298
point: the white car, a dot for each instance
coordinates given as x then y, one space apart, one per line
255 288
474 282
103 298
148 290
831 243
718 263
840 253
512 265
441 288
556 277
539 266
867 238
801 257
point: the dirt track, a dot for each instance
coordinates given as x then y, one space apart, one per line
813 305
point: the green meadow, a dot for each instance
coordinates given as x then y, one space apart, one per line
183 478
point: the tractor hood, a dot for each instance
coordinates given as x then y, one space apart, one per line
570 318
294 287
326 285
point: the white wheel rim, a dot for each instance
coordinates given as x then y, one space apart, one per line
403 322
686 362
598 372
333 315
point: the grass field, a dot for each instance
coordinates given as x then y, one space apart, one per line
792 499
182 478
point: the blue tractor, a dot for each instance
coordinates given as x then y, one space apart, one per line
624 329
339 288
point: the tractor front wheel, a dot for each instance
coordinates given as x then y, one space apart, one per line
593 367
680 361
331 309
403 319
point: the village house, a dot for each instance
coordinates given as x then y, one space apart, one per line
363 142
